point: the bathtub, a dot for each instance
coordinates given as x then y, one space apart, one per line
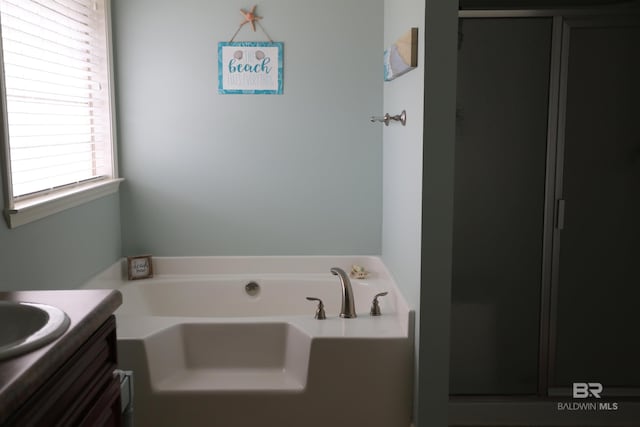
233 342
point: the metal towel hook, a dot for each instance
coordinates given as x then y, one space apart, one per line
402 118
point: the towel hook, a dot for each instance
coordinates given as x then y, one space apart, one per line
402 118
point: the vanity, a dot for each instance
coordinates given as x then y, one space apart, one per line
69 380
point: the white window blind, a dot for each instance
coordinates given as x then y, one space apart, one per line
58 111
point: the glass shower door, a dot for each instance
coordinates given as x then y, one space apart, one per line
597 279
503 89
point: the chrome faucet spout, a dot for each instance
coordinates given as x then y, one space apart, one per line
348 309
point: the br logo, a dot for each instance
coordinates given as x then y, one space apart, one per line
585 390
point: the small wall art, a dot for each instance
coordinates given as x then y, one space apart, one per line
250 67
402 56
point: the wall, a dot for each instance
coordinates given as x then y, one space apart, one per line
402 160
402 164
210 174
418 190
63 250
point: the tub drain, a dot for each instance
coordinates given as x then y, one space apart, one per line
252 289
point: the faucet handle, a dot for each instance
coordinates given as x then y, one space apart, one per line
375 306
320 310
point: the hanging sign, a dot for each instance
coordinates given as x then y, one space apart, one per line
250 67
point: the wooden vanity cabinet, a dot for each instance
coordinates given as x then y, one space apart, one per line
83 392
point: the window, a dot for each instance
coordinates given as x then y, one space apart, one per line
57 107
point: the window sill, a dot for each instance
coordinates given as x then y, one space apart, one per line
30 210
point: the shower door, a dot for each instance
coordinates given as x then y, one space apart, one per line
546 245
596 277
499 199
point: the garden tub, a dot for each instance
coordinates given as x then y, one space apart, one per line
233 341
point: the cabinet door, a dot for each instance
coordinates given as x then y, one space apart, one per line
83 392
597 282
503 88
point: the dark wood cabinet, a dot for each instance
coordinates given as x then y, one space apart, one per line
83 392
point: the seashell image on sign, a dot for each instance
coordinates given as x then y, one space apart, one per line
250 67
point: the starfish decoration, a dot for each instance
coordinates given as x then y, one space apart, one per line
250 17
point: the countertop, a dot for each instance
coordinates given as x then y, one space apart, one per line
87 309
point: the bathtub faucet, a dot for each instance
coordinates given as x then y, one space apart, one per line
348 309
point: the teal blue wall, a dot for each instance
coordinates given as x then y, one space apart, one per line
402 154
402 160
418 190
211 174
402 163
63 250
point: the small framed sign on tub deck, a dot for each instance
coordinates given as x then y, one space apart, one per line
139 267
250 67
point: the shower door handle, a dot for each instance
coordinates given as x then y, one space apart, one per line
560 208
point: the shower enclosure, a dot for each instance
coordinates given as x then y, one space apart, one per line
546 258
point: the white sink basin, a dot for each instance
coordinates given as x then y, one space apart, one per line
27 326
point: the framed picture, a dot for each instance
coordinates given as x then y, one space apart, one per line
139 267
402 56
250 68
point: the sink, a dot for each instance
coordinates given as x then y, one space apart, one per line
26 326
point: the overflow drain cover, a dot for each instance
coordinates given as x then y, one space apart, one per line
252 289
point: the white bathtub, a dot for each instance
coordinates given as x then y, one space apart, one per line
225 296
206 353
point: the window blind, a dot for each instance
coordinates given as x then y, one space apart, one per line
58 109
